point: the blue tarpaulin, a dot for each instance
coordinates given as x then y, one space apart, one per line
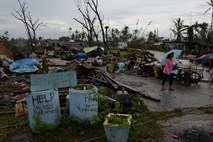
81 56
24 66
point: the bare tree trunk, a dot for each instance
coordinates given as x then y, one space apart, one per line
33 26
88 25
21 16
211 26
30 26
89 32
94 6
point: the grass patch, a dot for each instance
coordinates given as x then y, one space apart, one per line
177 110
6 134
125 54
208 110
83 87
69 130
144 126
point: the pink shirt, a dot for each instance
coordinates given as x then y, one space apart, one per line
168 66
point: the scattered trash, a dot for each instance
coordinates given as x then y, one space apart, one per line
6 50
23 138
174 136
195 134
3 76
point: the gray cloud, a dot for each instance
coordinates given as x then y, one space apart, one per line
117 13
4 20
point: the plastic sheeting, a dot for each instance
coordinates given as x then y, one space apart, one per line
90 49
24 66
81 56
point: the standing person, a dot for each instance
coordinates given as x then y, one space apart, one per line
130 64
114 58
210 65
167 71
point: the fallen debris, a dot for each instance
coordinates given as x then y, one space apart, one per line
196 134
6 50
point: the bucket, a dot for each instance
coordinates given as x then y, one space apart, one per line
116 132
82 104
43 110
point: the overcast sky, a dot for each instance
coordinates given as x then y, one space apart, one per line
58 15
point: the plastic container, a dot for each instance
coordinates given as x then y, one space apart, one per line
43 110
115 132
82 102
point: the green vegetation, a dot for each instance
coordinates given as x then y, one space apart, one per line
69 130
144 124
116 120
40 126
178 110
208 110
83 87
6 132
104 91
126 53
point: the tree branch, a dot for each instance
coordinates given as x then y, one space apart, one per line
81 23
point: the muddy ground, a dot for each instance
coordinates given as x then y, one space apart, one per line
188 98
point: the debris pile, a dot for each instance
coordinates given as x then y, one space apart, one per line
17 72
6 50
138 65
195 134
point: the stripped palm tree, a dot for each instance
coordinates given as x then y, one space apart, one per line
192 32
179 28
203 32
211 8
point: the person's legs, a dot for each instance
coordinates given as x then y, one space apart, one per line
171 78
165 76
210 66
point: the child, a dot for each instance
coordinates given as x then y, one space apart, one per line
167 71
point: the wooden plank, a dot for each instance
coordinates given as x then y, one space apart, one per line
99 80
153 98
102 77
121 84
115 86
128 88
86 81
